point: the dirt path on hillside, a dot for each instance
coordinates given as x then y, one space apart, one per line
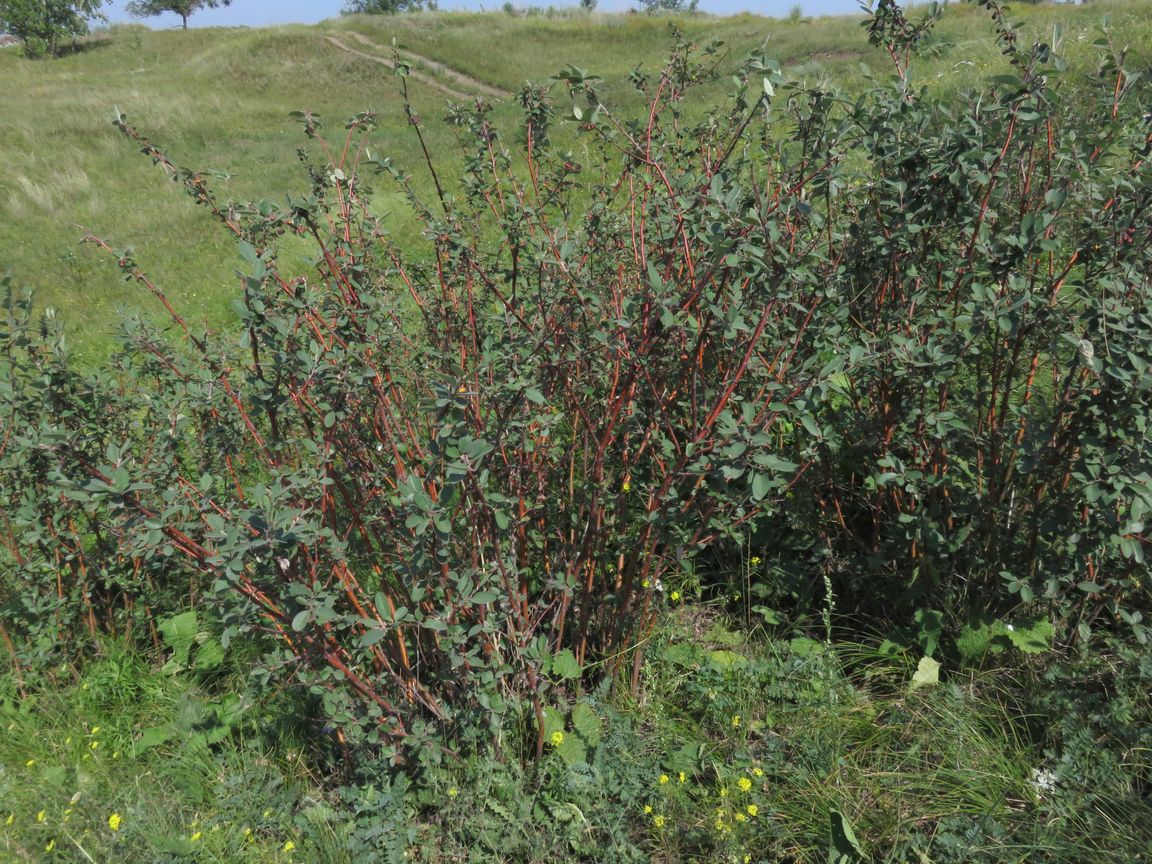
470 87
457 77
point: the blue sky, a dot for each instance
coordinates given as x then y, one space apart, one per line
255 13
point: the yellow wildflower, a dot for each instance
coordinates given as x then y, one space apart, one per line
755 561
453 792
196 836
747 859
759 772
658 821
51 845
11 818
68 740
739 817
627 487
29 763
95 730
735 721
744 783
557 739
752 809
683 777
663 779
675 596
289 846
647 809
40 816
114 821
723 791
94 745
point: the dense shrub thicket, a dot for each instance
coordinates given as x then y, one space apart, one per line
891 354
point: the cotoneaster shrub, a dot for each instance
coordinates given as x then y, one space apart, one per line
898 345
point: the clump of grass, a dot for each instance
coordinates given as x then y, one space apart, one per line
803 730
75 784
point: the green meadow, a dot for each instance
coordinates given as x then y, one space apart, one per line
219 100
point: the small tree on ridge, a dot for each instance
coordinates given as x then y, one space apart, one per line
183 8
386 7
654 6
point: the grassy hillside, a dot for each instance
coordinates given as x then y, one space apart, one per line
219 99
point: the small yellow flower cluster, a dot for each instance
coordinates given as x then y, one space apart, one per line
557 739
114 821
735 721
731 815
737 803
